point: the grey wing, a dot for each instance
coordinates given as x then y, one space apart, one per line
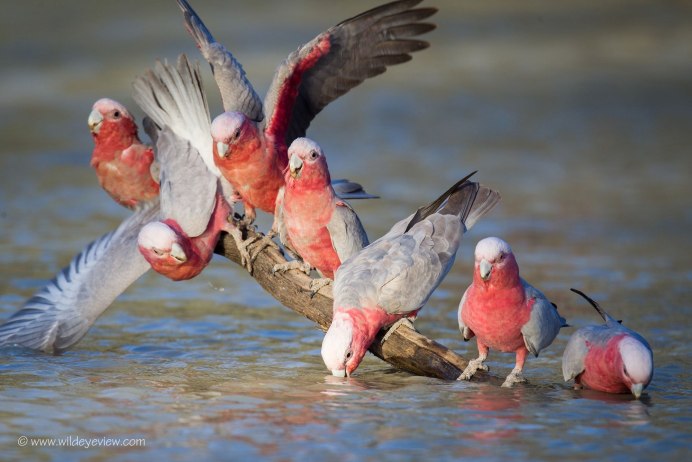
346 232
61 313
544 322
237 93
338 60
349 190
188 188
173 96
465 330
573 357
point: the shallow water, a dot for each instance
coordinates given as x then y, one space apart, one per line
579 113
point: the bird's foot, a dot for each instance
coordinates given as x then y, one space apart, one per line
395 326
242 244
473 366
514 377
317 284
243 221
293 264
260 243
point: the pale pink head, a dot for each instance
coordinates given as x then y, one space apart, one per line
107 112
495 263
162 247
344 345
307 164
638 364
232 132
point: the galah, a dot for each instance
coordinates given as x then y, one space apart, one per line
319 226
125 167
610 358
59 315
194 209
392 278
251 150
503 311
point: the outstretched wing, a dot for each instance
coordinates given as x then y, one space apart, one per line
346 232
188 188
237 93
347 189
339 59
60 314
173 96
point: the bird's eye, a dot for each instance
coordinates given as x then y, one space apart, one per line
157 252
236 134
314 155
502 257
349 354
116 114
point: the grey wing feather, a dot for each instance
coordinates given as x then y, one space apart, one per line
544 322
574 354
348 190
188 188
400 271
465 330
173 96
348 53
60 314
237 93
346 232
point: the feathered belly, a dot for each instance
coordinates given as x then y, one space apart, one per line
603 369
316 248
497 325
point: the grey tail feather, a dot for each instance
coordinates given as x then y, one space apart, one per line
427 210
593 303
486 199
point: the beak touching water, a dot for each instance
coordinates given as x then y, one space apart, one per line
295 165
94 121
485 269
637 390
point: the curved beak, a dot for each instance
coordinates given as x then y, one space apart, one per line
339 372
221 149
295 165
485 268
178 253
637 389
94 121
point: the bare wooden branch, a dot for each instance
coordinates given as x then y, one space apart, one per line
405 349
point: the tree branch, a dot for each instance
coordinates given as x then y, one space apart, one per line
405 349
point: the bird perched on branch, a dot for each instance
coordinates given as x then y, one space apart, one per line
503 311
319 226
391 279
125 167
610 358
195 204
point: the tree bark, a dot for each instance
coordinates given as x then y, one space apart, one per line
405 349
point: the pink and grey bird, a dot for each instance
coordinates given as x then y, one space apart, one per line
194 208
251 149
125 167
609 358
392 278
504 312
319 226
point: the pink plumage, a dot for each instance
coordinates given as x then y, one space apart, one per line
503 311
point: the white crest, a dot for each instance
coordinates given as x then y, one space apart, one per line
490 248
156 235
637 358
